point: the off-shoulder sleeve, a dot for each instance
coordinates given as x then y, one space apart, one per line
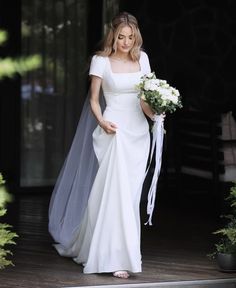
97 66
144 61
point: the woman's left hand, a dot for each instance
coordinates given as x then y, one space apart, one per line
155 117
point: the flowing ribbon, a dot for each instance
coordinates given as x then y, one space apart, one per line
157 141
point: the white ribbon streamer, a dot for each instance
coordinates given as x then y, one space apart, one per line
157 141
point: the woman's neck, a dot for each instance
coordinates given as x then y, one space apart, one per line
123 57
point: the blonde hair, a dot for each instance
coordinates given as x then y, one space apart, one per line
118 22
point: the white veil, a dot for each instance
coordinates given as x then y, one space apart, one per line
73 185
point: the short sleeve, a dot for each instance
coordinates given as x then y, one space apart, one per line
97 66
144 62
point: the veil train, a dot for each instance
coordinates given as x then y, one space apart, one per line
71 191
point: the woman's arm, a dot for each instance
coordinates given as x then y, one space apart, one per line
149 112
147 109
95 87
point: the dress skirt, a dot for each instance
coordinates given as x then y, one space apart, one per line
109 236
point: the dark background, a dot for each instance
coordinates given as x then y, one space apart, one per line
192 44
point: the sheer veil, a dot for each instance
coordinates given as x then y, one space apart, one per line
73 185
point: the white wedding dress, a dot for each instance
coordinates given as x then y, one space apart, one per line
108 238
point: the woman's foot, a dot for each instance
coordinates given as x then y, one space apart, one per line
121 274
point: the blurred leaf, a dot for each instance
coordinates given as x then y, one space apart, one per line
3 37
9 67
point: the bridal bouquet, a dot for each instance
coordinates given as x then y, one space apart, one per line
160 96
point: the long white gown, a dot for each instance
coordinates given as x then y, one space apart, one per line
109 236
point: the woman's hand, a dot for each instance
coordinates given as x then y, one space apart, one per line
108 127
150 113
155 117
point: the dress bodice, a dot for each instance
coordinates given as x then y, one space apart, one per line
119 82
119 89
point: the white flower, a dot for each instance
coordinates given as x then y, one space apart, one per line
167 86
149 75
164 102
151 85
163 82
175 92
172 98
164 92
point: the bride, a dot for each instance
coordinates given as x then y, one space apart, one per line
94 209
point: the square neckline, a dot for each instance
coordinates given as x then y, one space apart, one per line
120 73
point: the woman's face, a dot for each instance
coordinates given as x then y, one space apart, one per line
125 40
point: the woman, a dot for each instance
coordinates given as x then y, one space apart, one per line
107 239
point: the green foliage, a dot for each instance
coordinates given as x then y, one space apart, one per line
227 242
3 37
10 67
6 235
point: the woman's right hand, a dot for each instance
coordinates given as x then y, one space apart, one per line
108 127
